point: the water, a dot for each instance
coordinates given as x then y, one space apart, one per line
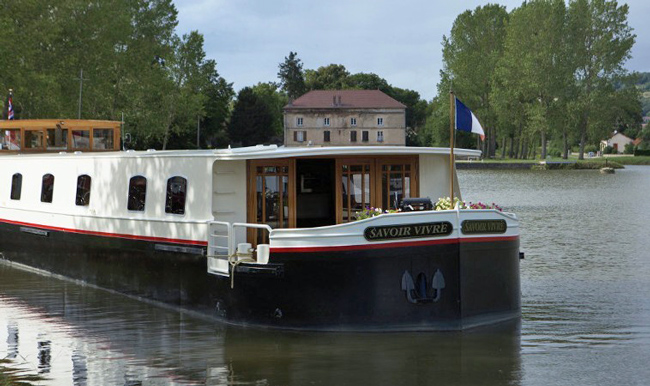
585 312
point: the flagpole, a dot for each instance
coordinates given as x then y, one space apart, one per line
451 145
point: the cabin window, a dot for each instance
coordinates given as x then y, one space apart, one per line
47 188
176 192
137 193
57 139
10 139
81 139
83 190
102 139
33 139
16 186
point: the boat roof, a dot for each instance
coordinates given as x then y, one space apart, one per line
264 152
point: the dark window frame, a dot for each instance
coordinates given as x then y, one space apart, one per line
47 188
364 136
16 186
176 195
353 136
326 136
137 195
84 183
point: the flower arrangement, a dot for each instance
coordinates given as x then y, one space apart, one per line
372 212
444 203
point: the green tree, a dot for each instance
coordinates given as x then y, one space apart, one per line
251 122
275 101
470 56
332 77
601 43
533 73
292 77
217 112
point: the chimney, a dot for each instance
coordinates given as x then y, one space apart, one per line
339 103
333 100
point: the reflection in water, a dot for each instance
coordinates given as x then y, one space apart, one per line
97 338
585 312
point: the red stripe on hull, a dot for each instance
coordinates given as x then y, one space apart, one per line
391 245
107 234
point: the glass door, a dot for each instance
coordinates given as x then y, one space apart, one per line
355 187
271 196
397 181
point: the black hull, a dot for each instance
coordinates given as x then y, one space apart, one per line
360 290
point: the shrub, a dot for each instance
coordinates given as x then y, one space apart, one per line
629 149
608 150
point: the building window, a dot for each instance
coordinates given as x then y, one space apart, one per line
380 136
326 121
380 121
364 136
83 190
137 193
353 121
16 186
299 122
299 136
353 136
326 136
176 189
47 188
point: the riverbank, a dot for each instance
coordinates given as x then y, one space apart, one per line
595 163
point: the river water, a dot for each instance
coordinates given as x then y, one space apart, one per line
585 312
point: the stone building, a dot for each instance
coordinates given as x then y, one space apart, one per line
344 118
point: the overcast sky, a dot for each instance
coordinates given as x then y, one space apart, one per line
397 40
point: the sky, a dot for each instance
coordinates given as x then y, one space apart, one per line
401 41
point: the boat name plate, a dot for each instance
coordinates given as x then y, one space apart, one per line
472 227
408 231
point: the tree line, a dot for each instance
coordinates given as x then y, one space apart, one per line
545 73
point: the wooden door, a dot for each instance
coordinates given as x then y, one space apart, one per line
396 179
355 187
271 196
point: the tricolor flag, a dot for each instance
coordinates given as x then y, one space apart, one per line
466 120
10 107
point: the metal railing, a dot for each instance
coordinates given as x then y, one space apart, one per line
222 244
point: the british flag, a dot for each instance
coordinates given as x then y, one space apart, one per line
10 107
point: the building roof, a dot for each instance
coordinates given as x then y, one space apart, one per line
347 99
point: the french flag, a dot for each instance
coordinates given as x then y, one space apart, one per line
467 121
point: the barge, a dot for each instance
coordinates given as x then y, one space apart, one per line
268 236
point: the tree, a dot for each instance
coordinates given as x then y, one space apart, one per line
292 78
601 43
533 73
470 56
332 77
275 102
251 121
218 106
